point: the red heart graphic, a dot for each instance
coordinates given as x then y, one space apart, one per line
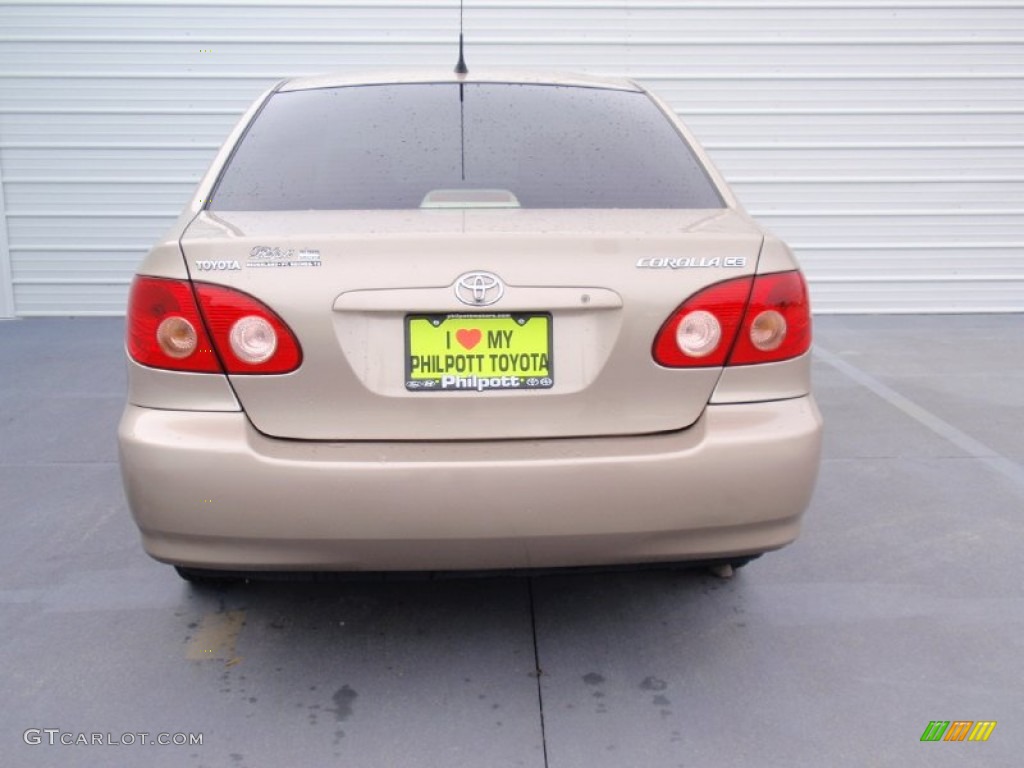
468 337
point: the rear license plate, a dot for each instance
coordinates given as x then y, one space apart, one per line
448 353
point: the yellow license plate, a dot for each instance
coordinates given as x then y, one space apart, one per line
448 353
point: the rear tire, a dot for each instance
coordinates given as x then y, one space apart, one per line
726 569
204 578
739 562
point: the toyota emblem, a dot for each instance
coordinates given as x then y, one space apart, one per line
479 289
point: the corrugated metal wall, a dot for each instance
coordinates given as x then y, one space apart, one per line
884 140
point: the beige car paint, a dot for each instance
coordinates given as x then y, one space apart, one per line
207 490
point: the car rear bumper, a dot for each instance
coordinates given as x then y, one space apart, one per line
209 491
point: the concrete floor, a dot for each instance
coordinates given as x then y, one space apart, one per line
900 604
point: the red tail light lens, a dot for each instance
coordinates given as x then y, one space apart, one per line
777 325
250 337
725 303
166 329
760 319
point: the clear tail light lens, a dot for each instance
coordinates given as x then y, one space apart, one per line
762 319
167 329
768 330
177 337
698 334
253 339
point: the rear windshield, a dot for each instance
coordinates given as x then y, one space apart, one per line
410 146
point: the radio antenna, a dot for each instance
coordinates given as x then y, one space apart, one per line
460 67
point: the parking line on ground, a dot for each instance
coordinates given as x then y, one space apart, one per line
974 448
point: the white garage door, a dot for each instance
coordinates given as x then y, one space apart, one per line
884 140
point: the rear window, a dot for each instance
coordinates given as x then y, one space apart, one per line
406 146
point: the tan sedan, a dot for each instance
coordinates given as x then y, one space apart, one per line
446 322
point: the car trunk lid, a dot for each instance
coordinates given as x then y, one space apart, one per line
376 302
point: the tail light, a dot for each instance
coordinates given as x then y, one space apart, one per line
777 325
749 320
249 336
165 329
226 331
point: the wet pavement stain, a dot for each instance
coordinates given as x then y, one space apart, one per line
215 637
594 679
653 684
343 699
